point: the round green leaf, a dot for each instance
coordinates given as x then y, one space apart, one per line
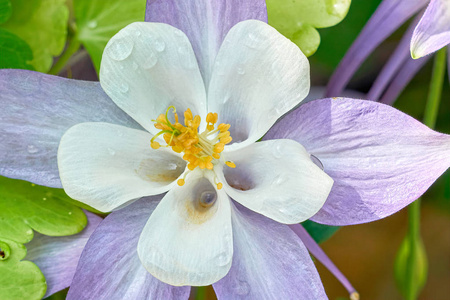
5 10
25 206
98 20
15 53
19 279
43 25
298 19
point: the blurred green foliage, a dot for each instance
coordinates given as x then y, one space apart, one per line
98 20
298 19
42 24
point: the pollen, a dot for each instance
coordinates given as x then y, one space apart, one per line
200 150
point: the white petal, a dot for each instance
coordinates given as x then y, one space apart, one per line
106 165
184 243
147 67
278 179
259 75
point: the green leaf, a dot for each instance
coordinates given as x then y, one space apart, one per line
98 20
319 232
411 254
15 53
5 10
25 206
298 19
19 279
43 25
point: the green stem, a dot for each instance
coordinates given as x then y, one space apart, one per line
430 116
434 95
201 293
71 48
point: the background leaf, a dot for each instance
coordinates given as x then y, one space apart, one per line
98 20
19 279
15 53
43 25
5 10
25 206
319 232
298 19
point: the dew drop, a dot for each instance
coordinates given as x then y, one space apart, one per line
92 24
278 180
150 61
278 151
241 287
240 70
70 212
123 87
208 198
316 161
254 40
137 33
159 44
172 166
111 151
120 48
44 199
29 231
134 66
32 149
222 259
178 32
188 60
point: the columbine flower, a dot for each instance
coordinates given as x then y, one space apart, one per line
149 68
433 31
379 158
426 33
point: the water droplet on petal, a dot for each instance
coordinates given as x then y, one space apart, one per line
278 151
134 66
137 33
188 59
222 259
92 24
178 32
123 87
150 61
316 161
32 149
241 287
241 70
120 48
159 44
111 151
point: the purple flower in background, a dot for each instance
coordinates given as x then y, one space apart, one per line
433 31
427 33
379 158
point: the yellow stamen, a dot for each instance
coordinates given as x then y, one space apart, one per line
230 164
199 149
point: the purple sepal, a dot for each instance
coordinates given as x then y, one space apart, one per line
57 257
205 22
109 266
380 158
269 262
36 110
